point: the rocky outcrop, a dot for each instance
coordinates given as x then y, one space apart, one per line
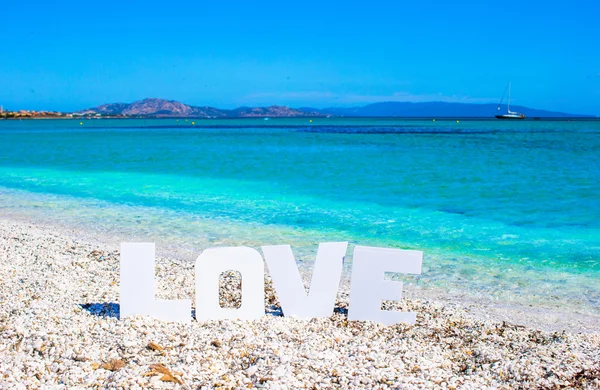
157 107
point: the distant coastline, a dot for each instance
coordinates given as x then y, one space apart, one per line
283 121
160 108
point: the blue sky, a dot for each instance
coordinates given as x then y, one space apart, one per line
71 55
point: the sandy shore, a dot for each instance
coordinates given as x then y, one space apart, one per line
59 327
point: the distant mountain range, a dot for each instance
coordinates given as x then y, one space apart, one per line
436 109
171 108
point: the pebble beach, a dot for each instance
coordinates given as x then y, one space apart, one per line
60 328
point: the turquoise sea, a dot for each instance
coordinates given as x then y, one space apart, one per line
508 211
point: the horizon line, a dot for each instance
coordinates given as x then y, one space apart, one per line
310 107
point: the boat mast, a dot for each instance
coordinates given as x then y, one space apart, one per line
509 97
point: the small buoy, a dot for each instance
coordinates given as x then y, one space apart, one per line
311 121
433 120
193 123
80 123
457 121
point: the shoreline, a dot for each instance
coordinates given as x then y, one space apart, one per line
448 119
59 325
551 317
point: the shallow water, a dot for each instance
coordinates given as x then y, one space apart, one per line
507 210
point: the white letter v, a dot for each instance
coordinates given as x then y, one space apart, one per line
289 286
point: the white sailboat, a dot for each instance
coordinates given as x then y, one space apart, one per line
509 114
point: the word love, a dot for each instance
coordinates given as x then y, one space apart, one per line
367 290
